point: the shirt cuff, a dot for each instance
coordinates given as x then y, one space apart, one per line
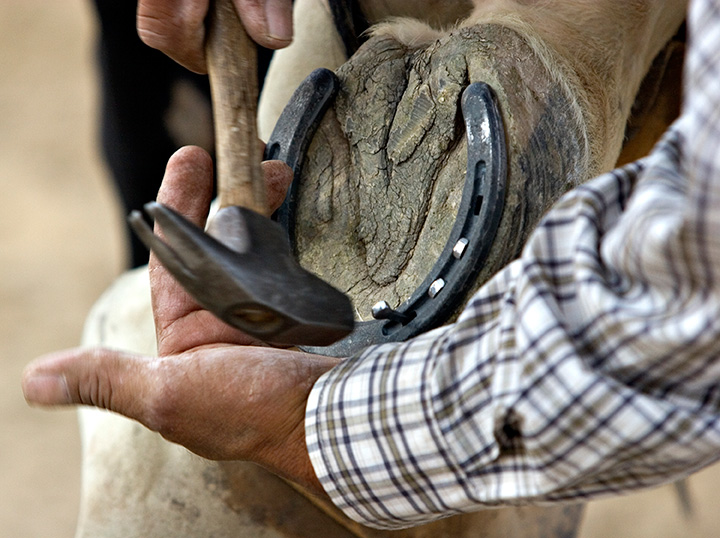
374 442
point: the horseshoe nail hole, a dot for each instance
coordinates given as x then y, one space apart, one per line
478 204
480 171
272 152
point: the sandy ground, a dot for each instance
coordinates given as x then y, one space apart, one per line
60 246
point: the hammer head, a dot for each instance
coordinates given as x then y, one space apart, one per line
250 280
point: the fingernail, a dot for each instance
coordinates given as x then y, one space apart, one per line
279 20
46 390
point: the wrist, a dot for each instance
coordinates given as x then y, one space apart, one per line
290 460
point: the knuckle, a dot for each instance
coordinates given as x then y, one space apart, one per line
163 403
96 386
158 33
170 23
175 36
250 5
252 13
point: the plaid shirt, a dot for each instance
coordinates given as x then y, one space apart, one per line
589 366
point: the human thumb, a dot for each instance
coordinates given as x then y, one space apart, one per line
104 378
269 22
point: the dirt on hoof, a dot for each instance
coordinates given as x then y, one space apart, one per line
381 188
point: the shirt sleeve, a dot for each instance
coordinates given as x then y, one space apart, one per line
589 366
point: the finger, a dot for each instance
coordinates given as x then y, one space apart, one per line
187 188
269 23
187 185
103 378
278 177
175 27
180 323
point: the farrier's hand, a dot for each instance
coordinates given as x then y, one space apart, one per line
177 27
206 391
180 323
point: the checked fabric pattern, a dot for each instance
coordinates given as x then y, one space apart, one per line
590 366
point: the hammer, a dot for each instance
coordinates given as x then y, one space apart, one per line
242 270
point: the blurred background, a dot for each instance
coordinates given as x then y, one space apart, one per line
61 244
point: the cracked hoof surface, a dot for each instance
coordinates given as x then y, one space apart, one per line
384 174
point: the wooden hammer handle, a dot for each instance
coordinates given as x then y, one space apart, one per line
232 67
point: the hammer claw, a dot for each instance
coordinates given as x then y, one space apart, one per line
170 257
188 241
